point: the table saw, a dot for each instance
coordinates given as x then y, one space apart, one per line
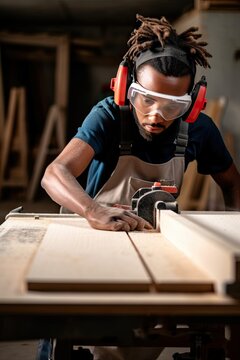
176 286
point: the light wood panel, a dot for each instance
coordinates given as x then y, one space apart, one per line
80 259
171 270
205 242
83 259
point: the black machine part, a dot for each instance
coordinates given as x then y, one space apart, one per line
147 201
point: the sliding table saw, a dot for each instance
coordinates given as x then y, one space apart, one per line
175 286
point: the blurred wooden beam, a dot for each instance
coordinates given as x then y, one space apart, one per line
218 4
1 105
61 45
15 142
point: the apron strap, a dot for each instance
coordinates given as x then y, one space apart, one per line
181 140
125 146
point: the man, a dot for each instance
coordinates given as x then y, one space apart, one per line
166 131
162 67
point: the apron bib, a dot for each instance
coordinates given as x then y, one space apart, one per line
131 173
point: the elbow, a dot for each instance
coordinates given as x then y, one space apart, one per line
232 197
44 181
47 177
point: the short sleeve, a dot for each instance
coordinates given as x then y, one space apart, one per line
99 125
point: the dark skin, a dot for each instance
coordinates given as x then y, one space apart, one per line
60 176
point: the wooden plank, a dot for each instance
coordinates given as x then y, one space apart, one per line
210 249
225 224
81 259
171 270
18 242
224 5
31 40
62 73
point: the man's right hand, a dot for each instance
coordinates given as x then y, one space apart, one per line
115 219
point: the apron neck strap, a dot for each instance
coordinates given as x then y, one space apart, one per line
126 137
181 140
125 146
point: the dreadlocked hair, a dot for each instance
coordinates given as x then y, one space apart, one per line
153 33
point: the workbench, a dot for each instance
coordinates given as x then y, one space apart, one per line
166 292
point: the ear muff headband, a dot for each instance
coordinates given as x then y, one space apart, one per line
122 81
199 101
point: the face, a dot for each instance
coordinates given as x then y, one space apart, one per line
153 124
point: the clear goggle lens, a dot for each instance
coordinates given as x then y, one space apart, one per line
150 102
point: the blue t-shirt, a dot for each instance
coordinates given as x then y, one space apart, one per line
101 130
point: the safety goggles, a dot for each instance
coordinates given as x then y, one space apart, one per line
150 102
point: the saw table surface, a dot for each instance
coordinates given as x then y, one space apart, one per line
62 279
50 260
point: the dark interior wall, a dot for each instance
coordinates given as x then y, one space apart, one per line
33 67
89 83
34 70
91 66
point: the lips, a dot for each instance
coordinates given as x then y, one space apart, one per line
154 128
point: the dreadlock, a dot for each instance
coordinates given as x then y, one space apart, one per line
153 33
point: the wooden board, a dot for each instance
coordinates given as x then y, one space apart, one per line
204 241
188 256
71 258
78 258
171 270
226 224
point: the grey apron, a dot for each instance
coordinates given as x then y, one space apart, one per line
132 173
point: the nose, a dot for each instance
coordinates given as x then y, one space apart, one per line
155 117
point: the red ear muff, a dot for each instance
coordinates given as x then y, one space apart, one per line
199 101
120 83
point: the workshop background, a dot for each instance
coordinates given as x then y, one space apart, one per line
56 61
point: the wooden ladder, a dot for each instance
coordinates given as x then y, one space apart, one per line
14 147
199 191
55 122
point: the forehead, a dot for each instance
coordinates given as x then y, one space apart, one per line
153 80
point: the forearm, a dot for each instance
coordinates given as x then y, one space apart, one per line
66 191
229 182
232 198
